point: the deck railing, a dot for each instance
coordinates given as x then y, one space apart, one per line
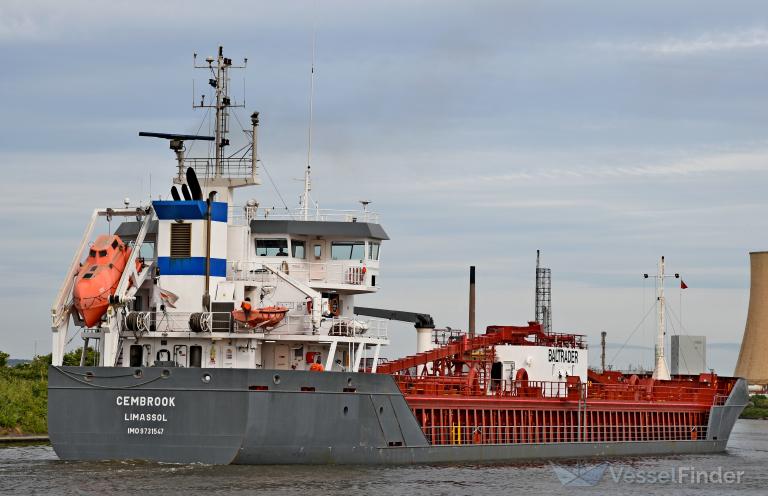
354 273
458 434
242 215
206 322
230 167
332 326
462 386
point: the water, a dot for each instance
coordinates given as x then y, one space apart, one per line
36 470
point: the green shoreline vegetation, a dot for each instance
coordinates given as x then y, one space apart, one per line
24 394
757 408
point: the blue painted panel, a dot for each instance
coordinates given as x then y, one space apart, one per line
189 210
193 266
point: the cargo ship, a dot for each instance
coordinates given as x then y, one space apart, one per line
229 334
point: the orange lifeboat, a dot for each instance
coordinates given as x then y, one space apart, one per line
261 317
99 276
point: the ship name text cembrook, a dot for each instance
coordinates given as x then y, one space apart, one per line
145 401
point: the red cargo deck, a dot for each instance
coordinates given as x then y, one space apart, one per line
453 398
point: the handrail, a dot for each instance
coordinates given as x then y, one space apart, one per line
351 272
463 386
292 324
523 433
241 215
231 167
494 335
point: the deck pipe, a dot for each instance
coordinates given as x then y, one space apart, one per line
208 215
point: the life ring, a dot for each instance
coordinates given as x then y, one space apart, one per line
364 270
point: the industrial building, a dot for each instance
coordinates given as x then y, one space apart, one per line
689 355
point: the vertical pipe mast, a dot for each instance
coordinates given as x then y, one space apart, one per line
308 170
537 301
221 110
660 370
254 143
602 350
472 301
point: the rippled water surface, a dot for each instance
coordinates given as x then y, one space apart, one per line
36 470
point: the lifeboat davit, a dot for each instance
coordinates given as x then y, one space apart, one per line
261 317
99 276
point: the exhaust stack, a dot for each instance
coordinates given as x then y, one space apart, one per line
602 350
472 301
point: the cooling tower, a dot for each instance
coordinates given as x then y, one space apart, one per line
753 357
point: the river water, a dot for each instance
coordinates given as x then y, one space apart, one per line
36 470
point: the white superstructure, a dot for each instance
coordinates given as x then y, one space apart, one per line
197 258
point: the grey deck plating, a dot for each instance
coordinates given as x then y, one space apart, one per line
275 417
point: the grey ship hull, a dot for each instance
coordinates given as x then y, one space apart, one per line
284 417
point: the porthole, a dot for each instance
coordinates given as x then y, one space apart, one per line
89 376
138 373
276 379
346 410
165 373
381 410
206 378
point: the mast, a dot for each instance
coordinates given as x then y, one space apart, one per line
536 315
660 369
222 115
308 170
225 171
543 302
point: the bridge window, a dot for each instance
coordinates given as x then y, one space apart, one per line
297 249
373 251
272 247
347 250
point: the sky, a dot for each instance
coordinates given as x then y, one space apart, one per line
605 134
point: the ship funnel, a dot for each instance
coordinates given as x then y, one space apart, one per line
752 363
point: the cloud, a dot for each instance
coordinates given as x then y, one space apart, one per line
479 142
588 167
19 27
747 39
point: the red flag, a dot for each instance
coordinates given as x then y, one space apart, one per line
683 285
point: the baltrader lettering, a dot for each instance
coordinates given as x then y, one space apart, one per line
146 401
563 356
